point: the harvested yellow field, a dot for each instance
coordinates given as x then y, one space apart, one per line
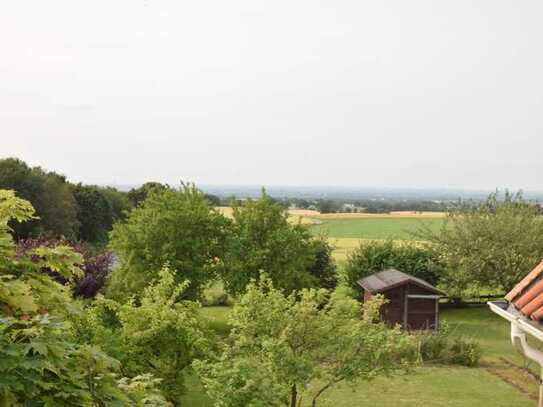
311 214
295 216
304 212
303 220
225 210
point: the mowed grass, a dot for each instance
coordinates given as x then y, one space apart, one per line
442 386
377 228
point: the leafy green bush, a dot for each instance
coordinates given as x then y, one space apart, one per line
443 347
466 352
433 346
374 256
160 334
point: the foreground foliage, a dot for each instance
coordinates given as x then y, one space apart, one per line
284 348
41 363
160 334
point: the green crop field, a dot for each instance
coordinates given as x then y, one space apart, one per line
377 228
432 385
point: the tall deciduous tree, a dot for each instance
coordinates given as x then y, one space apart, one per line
263 239
94 213
138 195
176 227
490 245
323 267
285 348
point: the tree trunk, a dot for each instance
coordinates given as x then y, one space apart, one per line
293 396
314 402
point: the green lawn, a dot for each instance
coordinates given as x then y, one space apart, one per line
379 228
445 386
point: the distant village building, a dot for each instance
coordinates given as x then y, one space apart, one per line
412 302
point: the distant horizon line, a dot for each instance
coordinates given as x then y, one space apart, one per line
339 187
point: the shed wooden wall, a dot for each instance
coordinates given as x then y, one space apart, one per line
421 313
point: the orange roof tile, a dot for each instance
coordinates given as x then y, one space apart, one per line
527 295
525 282
537 315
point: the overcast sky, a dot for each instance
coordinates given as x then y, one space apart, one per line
348 93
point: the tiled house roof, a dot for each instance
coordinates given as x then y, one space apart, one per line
527 296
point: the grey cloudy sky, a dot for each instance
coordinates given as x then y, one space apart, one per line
298 92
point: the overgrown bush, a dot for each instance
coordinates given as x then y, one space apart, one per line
95 265
443 347
374 256
465 352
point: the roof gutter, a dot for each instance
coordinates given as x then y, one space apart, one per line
519 329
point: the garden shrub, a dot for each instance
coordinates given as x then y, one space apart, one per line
432 346
466 352
443 347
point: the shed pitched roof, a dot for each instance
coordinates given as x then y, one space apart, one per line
527 295
387 279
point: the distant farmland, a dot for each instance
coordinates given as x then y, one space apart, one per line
375 228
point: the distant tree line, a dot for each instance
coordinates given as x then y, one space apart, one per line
362 205
76 212
373 206
63 209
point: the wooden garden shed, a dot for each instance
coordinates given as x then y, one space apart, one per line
412 302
